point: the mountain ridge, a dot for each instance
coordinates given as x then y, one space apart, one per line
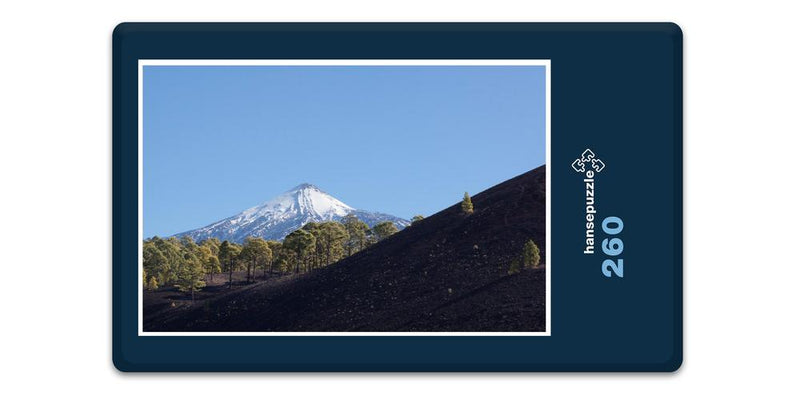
285 213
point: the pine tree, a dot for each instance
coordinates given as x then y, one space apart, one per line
415 219
530 255
152 284
357 232
315 254
210 257
466 204
276 247
331 241
155 263
302 243
228 253
384 229
285 259
190 276
171 248
255 253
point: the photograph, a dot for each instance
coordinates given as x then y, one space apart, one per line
344 197
406 200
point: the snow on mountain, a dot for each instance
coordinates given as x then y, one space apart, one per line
288 212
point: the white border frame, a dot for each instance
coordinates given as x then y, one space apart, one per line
405 62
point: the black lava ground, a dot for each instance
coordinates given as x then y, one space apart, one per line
447 273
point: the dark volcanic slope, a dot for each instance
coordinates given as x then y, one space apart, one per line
446 273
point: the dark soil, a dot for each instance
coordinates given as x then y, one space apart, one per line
168 302
447 273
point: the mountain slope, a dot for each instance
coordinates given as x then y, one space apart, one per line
288 212
449 273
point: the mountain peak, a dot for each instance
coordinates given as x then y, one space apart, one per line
304 186
285 213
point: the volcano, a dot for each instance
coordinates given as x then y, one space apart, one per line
286 213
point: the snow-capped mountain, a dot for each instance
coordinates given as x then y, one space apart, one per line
288 212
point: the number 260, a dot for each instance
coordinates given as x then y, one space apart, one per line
612 247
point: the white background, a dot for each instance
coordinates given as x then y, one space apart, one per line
741 218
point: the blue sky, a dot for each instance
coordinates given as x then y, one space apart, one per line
403 140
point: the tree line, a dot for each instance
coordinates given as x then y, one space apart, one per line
185 264
182 263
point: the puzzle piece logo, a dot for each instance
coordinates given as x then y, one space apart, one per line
579 166
588 157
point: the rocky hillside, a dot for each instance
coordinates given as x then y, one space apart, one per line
448 272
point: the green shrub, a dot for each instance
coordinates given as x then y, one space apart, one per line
514 268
